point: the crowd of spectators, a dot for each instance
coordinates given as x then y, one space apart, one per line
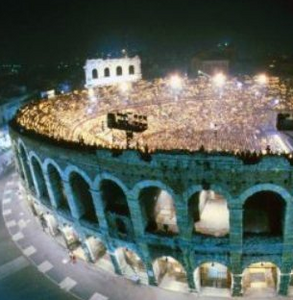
238 117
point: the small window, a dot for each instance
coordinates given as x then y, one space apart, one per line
131 70
107 72
94 74
119 71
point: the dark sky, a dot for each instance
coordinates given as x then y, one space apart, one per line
52 30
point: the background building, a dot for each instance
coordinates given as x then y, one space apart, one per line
99 72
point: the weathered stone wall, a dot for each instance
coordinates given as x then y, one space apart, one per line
181 175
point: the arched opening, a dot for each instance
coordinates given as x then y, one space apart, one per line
119 71
106 72
40 181
58 189
98 254
209 213
72 241
94 73
131 70
212 278
264 214
83 198
159 211
116 208
170 274
261 279
131 265
26 169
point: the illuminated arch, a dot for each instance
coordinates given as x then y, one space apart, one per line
212 274
168 269
208 211
158 207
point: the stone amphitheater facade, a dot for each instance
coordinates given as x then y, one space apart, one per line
76 187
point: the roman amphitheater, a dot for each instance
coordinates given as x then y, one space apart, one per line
201 201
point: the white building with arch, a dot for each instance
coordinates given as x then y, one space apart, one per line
99 72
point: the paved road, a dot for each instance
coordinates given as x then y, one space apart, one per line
33 266
19 280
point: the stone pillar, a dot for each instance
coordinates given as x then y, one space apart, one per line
50 190
236 228
115 263
190 280
86 252
99 207
34 179
75 210
288 228
25 180
237 285
236 273
284 284
136 215
189 270
182 218
148 263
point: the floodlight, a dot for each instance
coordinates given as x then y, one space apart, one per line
219 79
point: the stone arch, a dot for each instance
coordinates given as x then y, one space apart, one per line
131 70
118 71
80 187
208 211
72 168
212 274
24 161
39 178
109 176
264 212
131 264
267 279
168 270
95 74
98 253
265 187
250 260
57 186
114 199
148 183
113 196
107 72
158 207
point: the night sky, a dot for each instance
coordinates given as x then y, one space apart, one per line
52 30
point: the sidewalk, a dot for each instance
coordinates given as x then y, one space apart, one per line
81 279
